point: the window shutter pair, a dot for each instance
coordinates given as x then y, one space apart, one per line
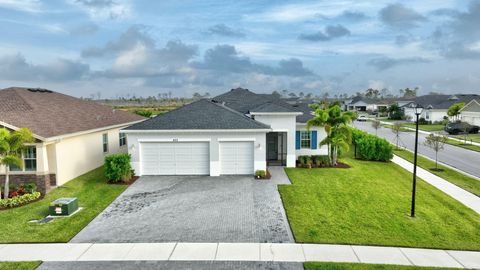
313 140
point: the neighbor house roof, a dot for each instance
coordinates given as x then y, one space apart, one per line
244 101
203 114
472 106
50 114
443 102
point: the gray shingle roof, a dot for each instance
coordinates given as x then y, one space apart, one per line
203 114
307 112
273 107
441 102
49 114
244 101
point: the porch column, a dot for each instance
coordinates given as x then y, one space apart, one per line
42 160
291 157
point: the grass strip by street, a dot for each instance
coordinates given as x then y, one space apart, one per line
457 178
472 137
429 128
19 265
361 266
464 145
402 129
369 204
93 193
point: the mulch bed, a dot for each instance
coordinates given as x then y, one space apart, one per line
125 183
340 165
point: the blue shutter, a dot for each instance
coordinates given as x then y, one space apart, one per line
297 140
313 141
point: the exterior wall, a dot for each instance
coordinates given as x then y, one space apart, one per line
435 115
81 154
473 118
43 182
214 138
321 134
283 123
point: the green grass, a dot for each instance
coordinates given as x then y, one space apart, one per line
463 145
429 128
93 193
369 204
19 265
402 129
361 266
473 137
468 183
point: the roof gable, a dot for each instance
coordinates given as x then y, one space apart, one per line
50 114
202 115
472 106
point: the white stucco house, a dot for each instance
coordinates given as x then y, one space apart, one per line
238 132
436 106
471 113
72 136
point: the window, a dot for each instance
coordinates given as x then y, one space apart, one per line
305 139
105 142
122 139
29 156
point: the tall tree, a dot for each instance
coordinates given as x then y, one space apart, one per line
454 110
11 146
409 93
436 142
335 123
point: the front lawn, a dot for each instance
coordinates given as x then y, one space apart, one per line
429 128
468 183
369 204
94 194
472 137
19 265
463 145
361 266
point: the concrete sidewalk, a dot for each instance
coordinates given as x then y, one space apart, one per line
261 252
459 194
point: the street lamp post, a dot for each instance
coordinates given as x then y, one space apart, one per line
418 111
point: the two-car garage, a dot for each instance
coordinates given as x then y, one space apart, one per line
194 158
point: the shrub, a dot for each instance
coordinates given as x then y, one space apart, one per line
302 160
146 114
371 147
322 160
308 160
118 168
423 121
260 174
19 200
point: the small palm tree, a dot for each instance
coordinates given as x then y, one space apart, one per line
339 135
11 146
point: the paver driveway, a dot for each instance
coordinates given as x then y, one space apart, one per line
194 209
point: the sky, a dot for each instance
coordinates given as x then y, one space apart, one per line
116 48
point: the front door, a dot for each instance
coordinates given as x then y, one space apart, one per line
272 146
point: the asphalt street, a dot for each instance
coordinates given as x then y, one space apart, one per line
460 158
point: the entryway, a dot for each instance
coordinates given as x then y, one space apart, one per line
276 148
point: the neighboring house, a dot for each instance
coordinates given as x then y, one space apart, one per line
238 132
436 106
363 104
471 112
72 136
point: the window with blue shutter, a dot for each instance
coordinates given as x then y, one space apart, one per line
297 140
314 139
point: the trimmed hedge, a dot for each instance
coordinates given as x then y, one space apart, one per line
118 168
371 147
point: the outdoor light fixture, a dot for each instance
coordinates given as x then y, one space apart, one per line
418 109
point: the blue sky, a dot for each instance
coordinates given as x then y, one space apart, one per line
115 47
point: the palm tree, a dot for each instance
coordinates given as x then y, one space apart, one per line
11 146
335 122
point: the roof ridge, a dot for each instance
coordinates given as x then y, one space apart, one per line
238 113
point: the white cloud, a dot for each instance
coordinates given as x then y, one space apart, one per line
22 5
376 84
105 9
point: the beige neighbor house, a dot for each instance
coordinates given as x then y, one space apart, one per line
72 136
470 113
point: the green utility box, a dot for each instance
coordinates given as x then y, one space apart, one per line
63 207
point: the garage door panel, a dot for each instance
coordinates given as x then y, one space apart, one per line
236 157
175 158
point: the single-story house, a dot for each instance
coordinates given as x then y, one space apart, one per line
72 136
436 106
363 104
237 132
470 113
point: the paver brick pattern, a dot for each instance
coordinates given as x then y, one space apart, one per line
193 209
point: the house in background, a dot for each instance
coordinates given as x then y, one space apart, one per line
470 113
235 133
72 136
363 104
436 106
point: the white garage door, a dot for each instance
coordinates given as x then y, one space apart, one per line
175 158
236 157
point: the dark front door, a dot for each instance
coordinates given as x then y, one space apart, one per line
272 146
